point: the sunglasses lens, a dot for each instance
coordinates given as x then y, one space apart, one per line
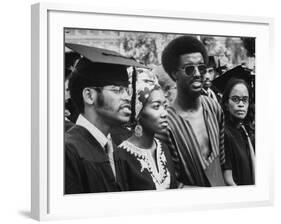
189 70
202 69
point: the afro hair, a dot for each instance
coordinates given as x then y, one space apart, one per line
179 46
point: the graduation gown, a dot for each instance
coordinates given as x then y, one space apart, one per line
67 124
87 167
238 157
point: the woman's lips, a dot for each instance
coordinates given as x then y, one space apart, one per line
164 123
241 112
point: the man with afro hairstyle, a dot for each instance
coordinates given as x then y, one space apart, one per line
195 133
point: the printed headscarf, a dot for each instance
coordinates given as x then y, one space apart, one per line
146 83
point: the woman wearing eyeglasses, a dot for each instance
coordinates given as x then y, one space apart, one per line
145 161
240 158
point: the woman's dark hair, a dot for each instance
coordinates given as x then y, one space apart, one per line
229 86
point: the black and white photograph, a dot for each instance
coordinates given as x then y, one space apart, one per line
157 111
143 112
140 112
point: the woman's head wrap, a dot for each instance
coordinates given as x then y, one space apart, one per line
144 88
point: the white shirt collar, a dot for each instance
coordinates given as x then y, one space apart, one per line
98 135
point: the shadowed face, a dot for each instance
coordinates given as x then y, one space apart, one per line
208 77
153 116
238 101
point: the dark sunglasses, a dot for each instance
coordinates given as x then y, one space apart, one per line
190 70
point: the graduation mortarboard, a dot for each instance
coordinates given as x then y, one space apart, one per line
238 72
100 55
102 67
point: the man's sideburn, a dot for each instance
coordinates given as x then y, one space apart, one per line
100 99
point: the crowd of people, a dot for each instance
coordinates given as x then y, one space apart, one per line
122 132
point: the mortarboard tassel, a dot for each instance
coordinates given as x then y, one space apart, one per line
133 100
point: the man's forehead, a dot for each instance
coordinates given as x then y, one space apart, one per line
196 57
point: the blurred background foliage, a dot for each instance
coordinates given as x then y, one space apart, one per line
147 47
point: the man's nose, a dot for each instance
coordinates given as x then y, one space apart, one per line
197 73
126 96
207 76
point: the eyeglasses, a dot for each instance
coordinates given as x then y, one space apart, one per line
117 89
190 70
237 99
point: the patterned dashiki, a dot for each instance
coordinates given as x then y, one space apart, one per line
190 165
143 172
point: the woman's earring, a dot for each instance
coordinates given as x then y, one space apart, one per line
138 130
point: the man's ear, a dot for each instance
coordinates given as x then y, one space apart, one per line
89 96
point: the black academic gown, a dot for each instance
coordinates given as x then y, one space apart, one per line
237 154
87 167
67 125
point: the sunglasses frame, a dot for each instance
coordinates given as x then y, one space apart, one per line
193 70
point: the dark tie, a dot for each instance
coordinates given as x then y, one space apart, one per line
252 153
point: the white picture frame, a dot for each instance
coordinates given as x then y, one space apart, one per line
48 201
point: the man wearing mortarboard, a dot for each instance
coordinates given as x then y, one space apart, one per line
99 89
195 122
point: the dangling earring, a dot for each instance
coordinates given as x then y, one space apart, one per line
138 130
